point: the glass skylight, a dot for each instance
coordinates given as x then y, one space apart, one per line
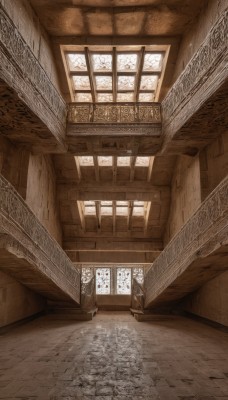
106 203
142 161
123 161
104 97
83 97
103 82
105 161
81 82
77 62
127 62
122 203
148 82
102 62
90 210
128 96
126 82
152 62
138 211
86 161
146 97
121 211
106 210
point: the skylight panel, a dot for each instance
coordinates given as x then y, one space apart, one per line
89 203
122 211
139 203
152 62
128 96
127 62
106 203
77 62
123 161
81 82
148 82
105 161
142 161
86 161
103 82
90 210
138 211
83 97
146 97
122 203
126 82
104 97
102 62
106 211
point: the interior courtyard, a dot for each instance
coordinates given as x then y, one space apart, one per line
114 199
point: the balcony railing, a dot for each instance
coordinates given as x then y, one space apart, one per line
114 113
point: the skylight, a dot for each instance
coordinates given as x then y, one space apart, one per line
121 74
86 161
105 161
142 161
123 161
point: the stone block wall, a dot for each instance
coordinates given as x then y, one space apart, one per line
16 301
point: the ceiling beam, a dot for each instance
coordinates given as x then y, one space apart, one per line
114 168
96 168
109 245
150 169
81 215
114 77
90 72
115 257
78 168
132 168
114 218
117 40
139 74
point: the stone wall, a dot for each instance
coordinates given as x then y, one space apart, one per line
196 35
27 22
214 164
17 301
41 194
185 197
211 301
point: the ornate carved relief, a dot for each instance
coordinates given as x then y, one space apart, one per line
20 223
131 113
200 67
186 246
23 72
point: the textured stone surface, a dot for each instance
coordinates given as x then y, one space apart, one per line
114 357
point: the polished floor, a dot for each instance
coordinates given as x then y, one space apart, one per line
114 357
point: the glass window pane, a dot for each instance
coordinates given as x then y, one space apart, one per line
106 203
102 62
127 62
77 62
122 203
139 203
87 274
123 280
122 211
148 82
126 82
83 97
105 161
103 281
103 97
146 97
125 97
103 82
138 211
81 82
152 62
106 210
86 161
138 274
90 210
89 203
123 161
142 161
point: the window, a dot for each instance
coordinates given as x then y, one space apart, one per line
123 281
103 281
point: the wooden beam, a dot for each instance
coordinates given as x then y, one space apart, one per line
81 215
114 218
78 168
98 214
96 168
129 218
160 42
113 245
114 168
115 256
147 216
132 168
150 168
90 72
139 74
114 75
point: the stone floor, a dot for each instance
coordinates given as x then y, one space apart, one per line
114 357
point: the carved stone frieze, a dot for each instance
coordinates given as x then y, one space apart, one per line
18 221
116 113
199 68
207 225
23 73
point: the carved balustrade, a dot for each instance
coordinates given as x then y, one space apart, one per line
137 295
170 278
115 113
88 294
35 243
